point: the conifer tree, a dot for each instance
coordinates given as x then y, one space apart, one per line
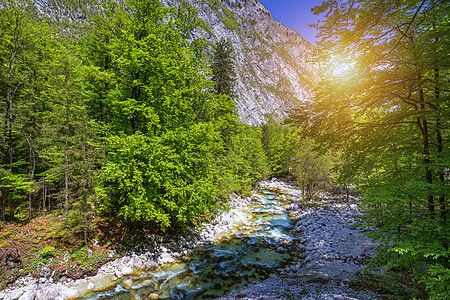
223 68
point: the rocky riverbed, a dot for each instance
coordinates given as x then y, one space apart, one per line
333 252
162 250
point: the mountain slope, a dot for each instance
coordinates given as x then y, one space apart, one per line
273 62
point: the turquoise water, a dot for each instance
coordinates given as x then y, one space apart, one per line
248 254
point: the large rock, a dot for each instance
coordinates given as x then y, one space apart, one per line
149 265
126 270
55 291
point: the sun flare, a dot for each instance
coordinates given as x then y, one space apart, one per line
341 66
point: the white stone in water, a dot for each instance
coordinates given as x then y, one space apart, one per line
128 283
90 286
126 270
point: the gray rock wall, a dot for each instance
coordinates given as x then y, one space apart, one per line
273 62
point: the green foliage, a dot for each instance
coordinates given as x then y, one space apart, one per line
14 187
282 93
47 252
311 168
244 162
386 117
290 151
161 179
228 17
230 23
223 68
277 146
115 114
165 135
437 282
5 235
80 256
87 258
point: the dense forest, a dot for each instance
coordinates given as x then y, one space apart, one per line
117 115
120 115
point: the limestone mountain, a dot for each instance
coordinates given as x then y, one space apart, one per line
273 62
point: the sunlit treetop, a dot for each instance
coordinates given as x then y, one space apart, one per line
340 66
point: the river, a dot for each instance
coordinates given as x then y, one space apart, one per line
249 253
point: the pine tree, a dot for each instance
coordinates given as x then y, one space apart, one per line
223 68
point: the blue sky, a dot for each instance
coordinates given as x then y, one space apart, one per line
295 14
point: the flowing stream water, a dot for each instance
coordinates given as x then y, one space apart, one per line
253 251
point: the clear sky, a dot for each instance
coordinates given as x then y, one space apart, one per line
295 14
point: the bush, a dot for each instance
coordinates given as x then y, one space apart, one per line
47 252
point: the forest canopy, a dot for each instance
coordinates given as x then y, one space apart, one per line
116 115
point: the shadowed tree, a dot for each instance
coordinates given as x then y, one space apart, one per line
224 75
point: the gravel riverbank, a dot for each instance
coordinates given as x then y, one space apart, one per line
334 251
161 250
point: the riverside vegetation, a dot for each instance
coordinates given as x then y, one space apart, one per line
112 129
118 124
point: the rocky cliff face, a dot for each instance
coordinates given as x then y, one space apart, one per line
273 62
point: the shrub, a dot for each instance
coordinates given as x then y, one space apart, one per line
47 252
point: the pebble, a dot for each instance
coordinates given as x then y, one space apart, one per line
324 235
327 242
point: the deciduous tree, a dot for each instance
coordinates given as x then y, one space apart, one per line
384 104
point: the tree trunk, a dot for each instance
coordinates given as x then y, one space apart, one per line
5 133
105 120
426 152
15 54
11 151
66 150
32 157
4 195
440 148
43 197
85 177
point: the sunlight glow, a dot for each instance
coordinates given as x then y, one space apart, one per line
341 66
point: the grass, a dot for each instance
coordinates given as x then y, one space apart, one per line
47 252
228 17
